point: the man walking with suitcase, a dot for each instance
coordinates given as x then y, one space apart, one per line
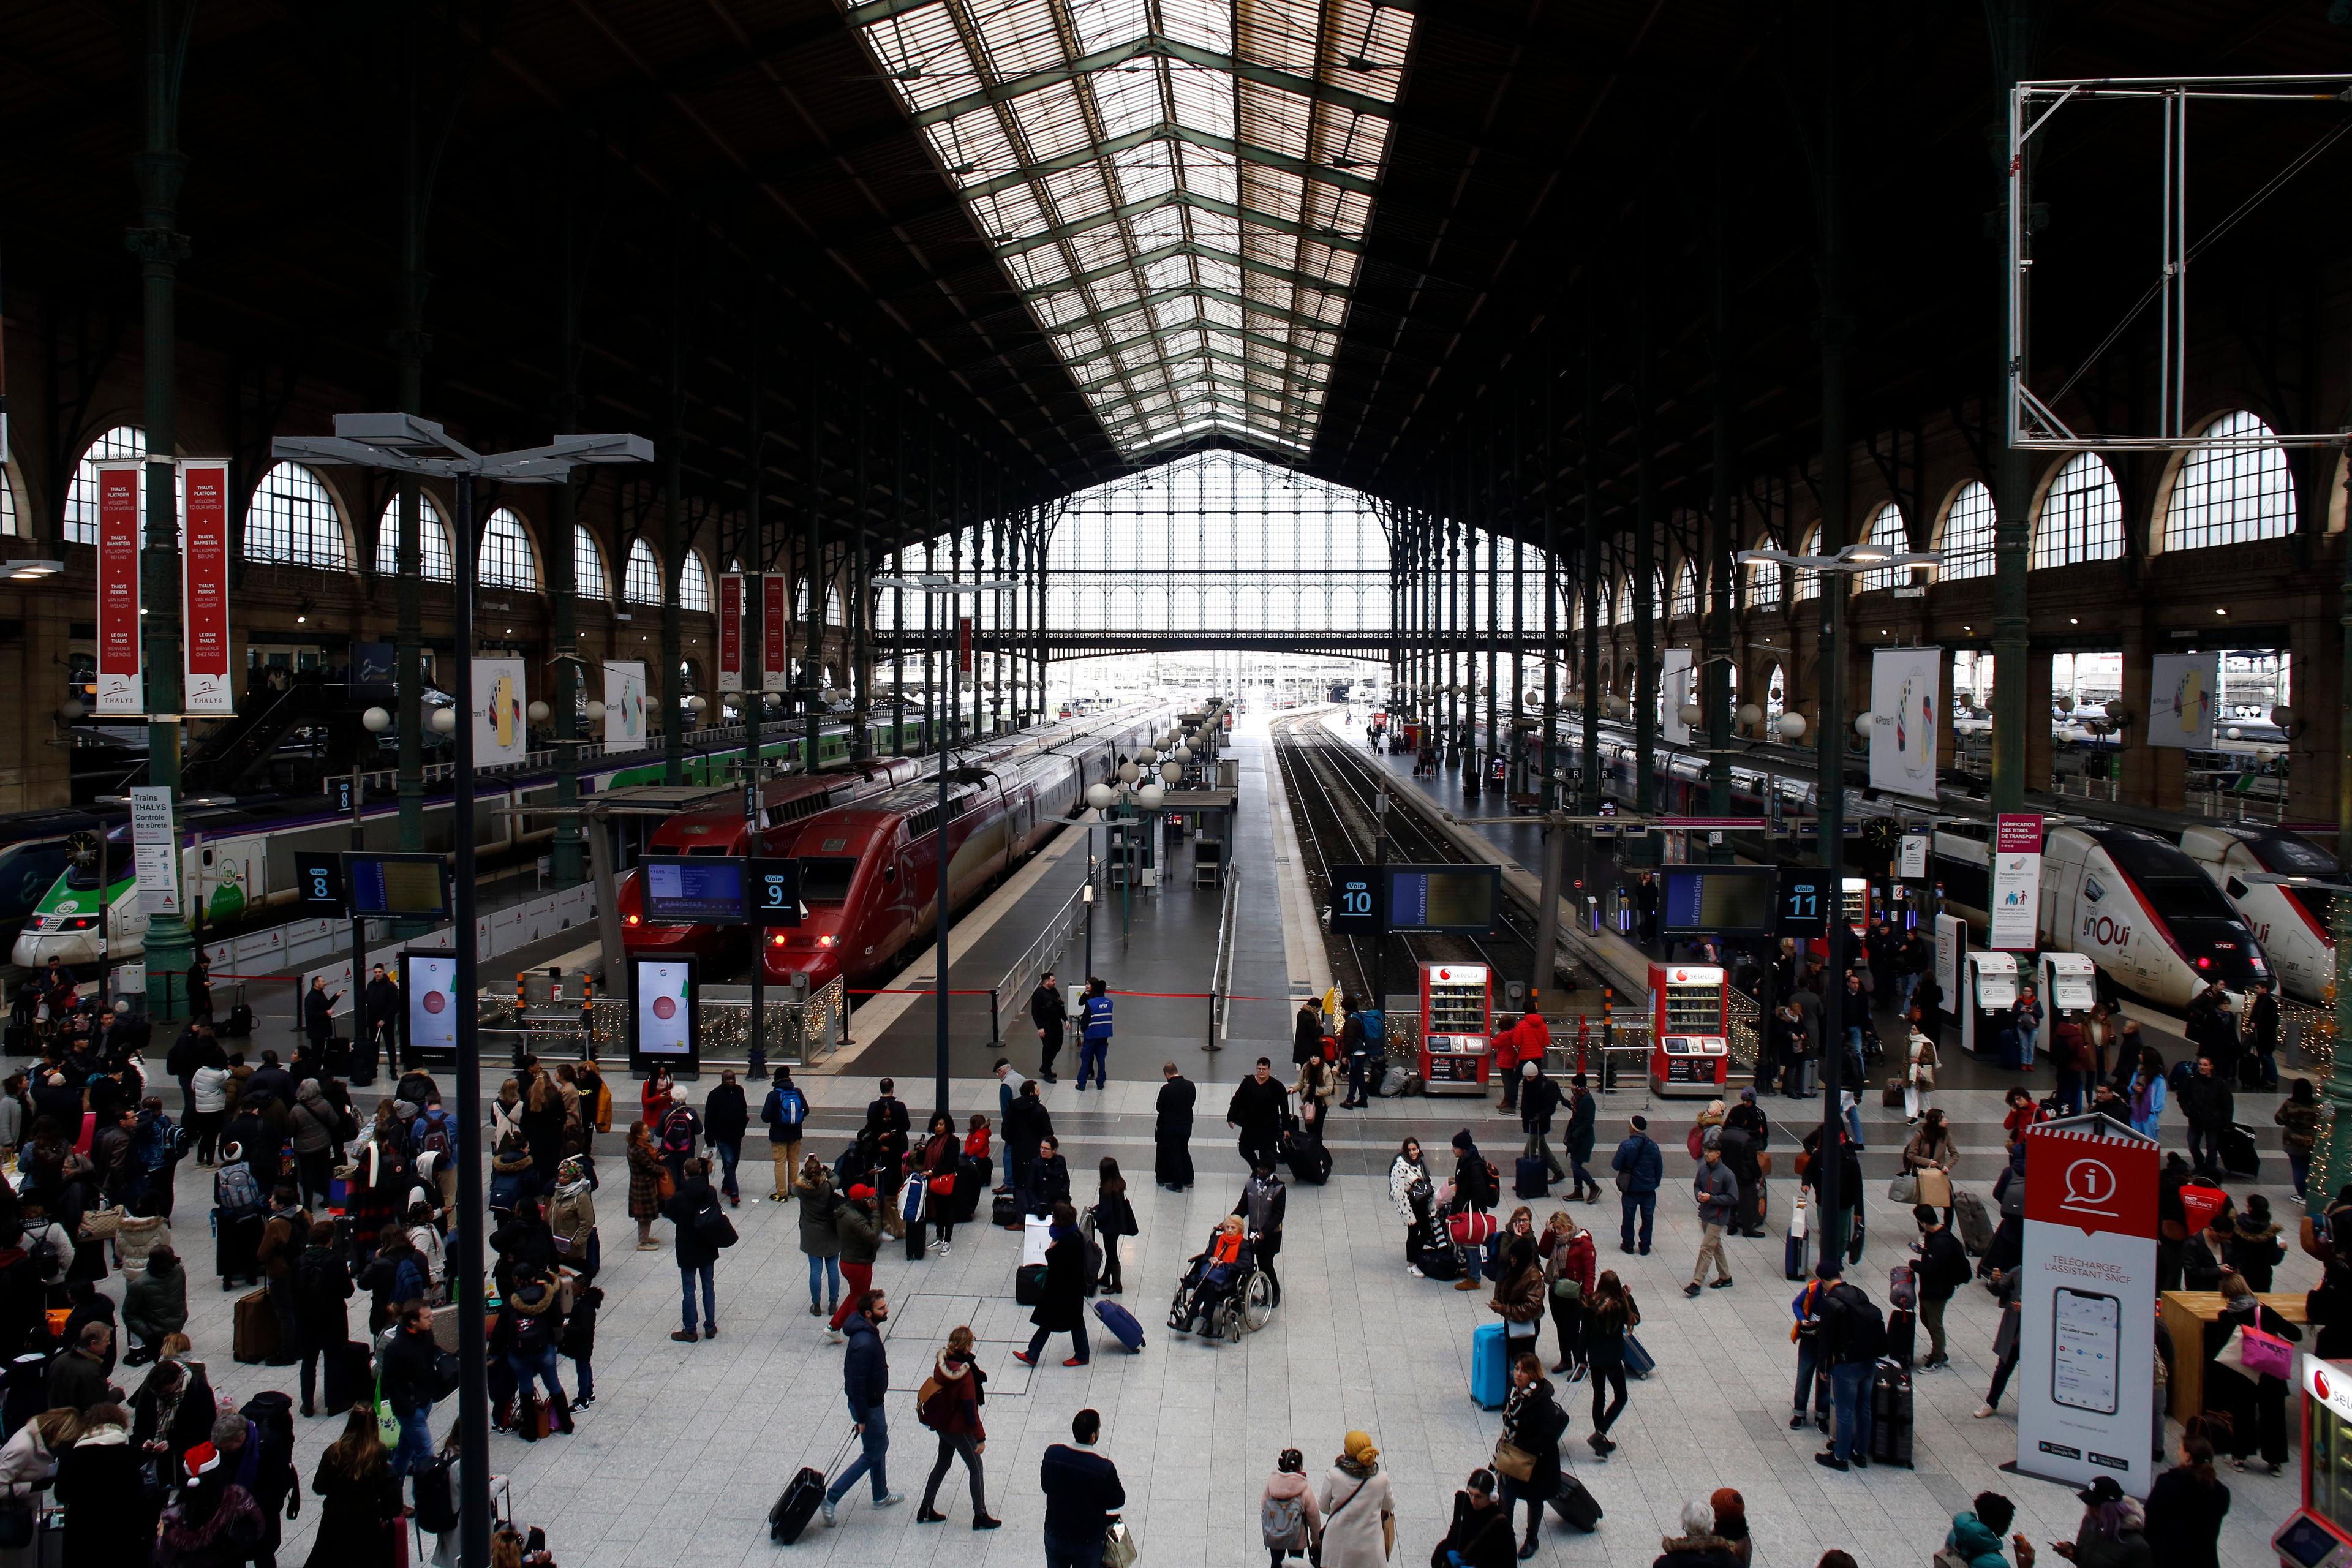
866 1381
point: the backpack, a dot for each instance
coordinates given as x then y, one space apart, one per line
1487 1182
531 1332
436 1496
1282 1520
235 1190
1865 1335
1376 1026
432 1132
677 1132
47 1251
316 1285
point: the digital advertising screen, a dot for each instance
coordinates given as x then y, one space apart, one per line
1728 900
413 885
694 890
428 983
663 1022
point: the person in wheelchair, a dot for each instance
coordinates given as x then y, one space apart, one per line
1215 1277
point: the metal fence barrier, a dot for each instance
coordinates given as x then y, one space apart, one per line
1065 926
799 1032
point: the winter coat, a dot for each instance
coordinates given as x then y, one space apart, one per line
1258 1107
210 1086
155 1304
645 1181
1717 1190
685 1211
1581 1114
2128 1548
726 1115
313 1123
954 1406
1695 1551
359 1520
1924 1151
1061 1306
97 1482
25 1462
1639 1156
2184 1519
865 1365
572 1218
1575 1258
2208 1101
1482 1536
1402 1175
860 1231
1520 1299
816 1201
1284 1486
1352 1502
1114 1215
1974 1543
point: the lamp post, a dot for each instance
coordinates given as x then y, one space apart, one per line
405 444
1830 818
943 588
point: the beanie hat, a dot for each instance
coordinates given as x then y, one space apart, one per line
1462 1139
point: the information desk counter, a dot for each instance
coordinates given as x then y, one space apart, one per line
2186 1314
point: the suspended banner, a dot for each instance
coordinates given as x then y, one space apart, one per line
730 631
121 490
775 632
2085 1359
204 686
154 850
1905 686
1675 688
2183 689
500 734
625 705
2016 883
964 676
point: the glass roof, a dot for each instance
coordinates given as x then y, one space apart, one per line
1178 188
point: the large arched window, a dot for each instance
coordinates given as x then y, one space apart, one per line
1763 579
1808 583
1686 601
1887 531
8 525
693 583
837 616
642 583
1966 540
2229 495
432 536
2082 517
507 561
292 521
589 579
82 496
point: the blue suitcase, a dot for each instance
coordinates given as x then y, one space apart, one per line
1121 1323
1490 1371
1792 1264
1639 1362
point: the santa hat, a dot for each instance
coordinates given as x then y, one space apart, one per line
202 1461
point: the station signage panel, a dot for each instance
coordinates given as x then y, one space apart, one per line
1459 899
319 880
203 589
122 686
1726 900
1355 901
693 889
415 887
1801 901
773 889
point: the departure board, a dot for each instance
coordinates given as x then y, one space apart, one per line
1726 900
413 885
694 890
1458 899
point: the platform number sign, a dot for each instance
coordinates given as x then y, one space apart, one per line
1801 901
318 881
772 888
1355 901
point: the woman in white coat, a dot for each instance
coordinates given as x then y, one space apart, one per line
1357 1508
1403 1172
28 1462
1920 1076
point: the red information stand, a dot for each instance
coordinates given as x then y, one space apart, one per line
1456 1013
1691 1024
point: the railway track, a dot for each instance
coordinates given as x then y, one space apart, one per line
1331 789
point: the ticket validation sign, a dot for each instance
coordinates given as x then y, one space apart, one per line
2016 883
121 687
2086 1346
204 590
154 850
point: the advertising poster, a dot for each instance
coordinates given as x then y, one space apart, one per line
775 632
154 850
625 705
730 631
662 1013
1911 863
430 981
2016 883
2183 689
1905 685
500 734
120 685
1674 690
203 589
2085 1352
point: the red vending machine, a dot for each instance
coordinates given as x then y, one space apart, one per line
1692 1028
1456 1051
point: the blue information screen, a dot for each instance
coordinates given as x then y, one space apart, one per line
1459 899
398 885
695 891
1728 901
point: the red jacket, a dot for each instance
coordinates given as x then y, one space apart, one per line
1582 1262
1506 1049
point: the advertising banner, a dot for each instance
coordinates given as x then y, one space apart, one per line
775 632
730 631
1675 688
500 734
121 490
1911 863
429 983
964 677
2085 1352
625 705
662 1013
2016 883
1906 696
154 850
203 589
2184 690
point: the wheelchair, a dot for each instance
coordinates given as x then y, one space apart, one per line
1222 1302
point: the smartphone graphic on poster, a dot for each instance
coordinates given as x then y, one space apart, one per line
2087 1348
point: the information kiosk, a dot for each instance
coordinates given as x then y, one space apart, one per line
2319 1533
1456 1013
1990 993
1690 1022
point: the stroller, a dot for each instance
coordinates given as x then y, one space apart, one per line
1223 1294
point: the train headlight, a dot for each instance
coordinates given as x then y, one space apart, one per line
826 940
631 920
2203 962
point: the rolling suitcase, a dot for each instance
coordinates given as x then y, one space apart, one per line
2237 1155
798 1504
1531 1178
1490 1377
240 1021
1891 1096
1792 1260
1310 1161
1577 1506
1120 1323
255 1338
234 1243
1890 1415
1974 1222
1639 1362
973 1178
1902 1336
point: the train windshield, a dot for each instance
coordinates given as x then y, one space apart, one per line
825 879
85 878
2220 950
2316 902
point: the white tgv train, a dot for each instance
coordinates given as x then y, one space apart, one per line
2291 922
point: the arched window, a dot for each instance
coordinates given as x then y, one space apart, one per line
292 521
837 616
1808 583
433 540
7 503
1887 531
2082 517
642 584
506 560
82 496
1763 579
1625 602
694 583
1686 601
1967 540
2229 495
589 579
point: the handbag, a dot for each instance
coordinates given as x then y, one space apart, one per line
1118 1546
1387 1535
101 1224
1514 1461
2255 1354
1566 1289
387 1423
942 1186
1764 1163
2004 1339
1935 1188
1904 1189
1624 1180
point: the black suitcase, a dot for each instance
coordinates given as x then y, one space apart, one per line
1531 1178
973 1178
234 1243
1006 1210
1575 1505
1890 1415
1310 1161
796 1507
20 1039
2237 1155
240 1021
1029 1284
1902 1335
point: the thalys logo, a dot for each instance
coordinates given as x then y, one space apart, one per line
2107 930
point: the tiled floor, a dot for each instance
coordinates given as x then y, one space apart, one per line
688 1445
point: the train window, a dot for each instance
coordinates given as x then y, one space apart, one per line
2091 890
707 849
890 872
825 879
2237 889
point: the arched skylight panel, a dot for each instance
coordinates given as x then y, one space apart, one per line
432 537
8 522
2232 494
292 521
642 583
2082 517
1808 583
82 496
1685 592
1887 531
1966 542
506 559
1625 603
1763 579
589 579
694 583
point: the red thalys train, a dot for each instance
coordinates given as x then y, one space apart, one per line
869 870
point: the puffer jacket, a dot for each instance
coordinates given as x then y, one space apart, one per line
955 1406
571 1216
860 1232
1974 1543
819 1236
312 1121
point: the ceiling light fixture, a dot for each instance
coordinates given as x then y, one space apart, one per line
28 571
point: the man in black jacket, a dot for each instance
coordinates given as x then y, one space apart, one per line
412 1385
1050 1013
1850 1331
1538 1100
1259 1104
317 1014
866 1383
1082 1492
1942 1269
2211 1109
1026 1125
382 1031
725 1116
